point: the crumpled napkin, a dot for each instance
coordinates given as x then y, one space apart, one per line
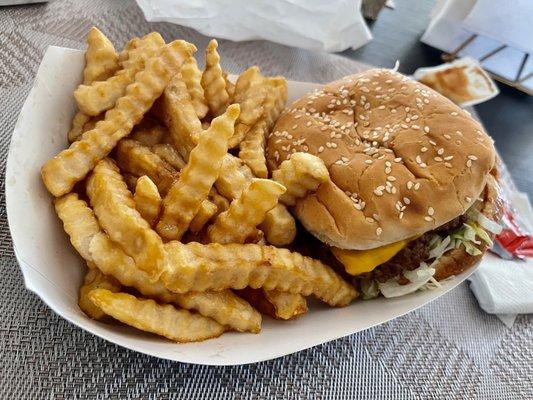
505 287
333 25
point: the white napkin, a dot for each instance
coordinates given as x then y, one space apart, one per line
505 287
335 25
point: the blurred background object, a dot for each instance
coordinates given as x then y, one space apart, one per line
497 33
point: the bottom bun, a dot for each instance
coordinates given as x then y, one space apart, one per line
458 260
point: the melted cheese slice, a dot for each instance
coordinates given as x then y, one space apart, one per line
357 262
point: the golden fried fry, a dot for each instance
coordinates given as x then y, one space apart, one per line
245 213
223 306
220 201
192 76
101 59
252 150
195 266
149 136
169 153
73 164
91 123
230 87
101 62
183 200
139 160
280 305
275 100
100 96
164 320
231 181
114 206
300 174
207 211
279 226
180 117
147 199
213 81
250 92
78 221
94 279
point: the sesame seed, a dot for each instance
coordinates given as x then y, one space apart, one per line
295 126
438 159
440 151
426 129
472 157
447 158
365 89
378 192
423 165
370 220
446 136
393 111
309 123
454 113
424 149
334 145
388 170
381 107
415 127
468 163
321 149
432 142
391 178
431 211
376 217
398 159
429 219
406 200
400 215
409 185
417 185
414 117
368 161
418 159
468 199
447 165
379 231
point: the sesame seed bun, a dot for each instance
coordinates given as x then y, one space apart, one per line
403 159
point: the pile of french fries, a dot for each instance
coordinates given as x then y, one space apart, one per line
164 192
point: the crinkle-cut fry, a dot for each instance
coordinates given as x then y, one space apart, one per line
161 319
149 136
207 211
129 46
239 222
231 181
139 160
275 100
279 226
78 221
230 87
185 196
223 306
250 92
91 123
195 266
101 58
76 128
61 173
192 77
99 96
115 209
279 305
169 153
300 174
180 117
97 248
252 150
95 279
147 199
220 201
213 81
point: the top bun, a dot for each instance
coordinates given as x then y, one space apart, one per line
403 159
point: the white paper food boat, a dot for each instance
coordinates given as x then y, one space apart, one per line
53 270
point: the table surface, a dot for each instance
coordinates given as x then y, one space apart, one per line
448 349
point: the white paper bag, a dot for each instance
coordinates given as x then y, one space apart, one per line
333 25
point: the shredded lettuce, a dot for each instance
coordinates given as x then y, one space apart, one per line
417 277
369 289
466 236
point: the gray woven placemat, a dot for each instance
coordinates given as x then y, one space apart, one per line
449 349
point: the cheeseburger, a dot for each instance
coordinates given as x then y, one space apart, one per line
413 195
